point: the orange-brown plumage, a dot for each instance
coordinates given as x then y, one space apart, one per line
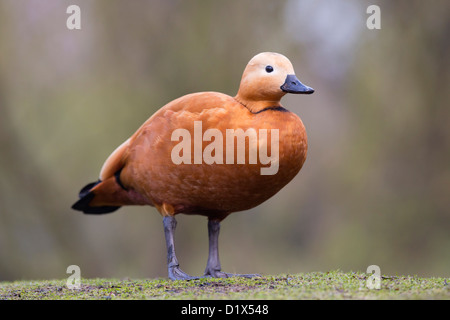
142 172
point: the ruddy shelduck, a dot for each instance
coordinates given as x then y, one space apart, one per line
186 158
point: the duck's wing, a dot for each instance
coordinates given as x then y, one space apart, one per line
115 161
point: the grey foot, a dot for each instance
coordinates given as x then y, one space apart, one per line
175 273
221 274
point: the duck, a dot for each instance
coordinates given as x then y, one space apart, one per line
209 154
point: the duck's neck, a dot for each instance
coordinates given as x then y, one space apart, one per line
257 106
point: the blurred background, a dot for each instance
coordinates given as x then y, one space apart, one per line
375 188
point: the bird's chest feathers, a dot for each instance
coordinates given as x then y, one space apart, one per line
264 143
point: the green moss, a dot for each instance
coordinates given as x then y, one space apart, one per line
314 285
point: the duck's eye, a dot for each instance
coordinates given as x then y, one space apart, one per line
269 69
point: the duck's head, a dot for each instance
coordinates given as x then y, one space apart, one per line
266 79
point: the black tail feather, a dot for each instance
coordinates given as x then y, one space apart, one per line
85 198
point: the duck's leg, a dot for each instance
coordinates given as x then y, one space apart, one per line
175 273
213 268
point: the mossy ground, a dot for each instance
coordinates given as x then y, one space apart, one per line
314 285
